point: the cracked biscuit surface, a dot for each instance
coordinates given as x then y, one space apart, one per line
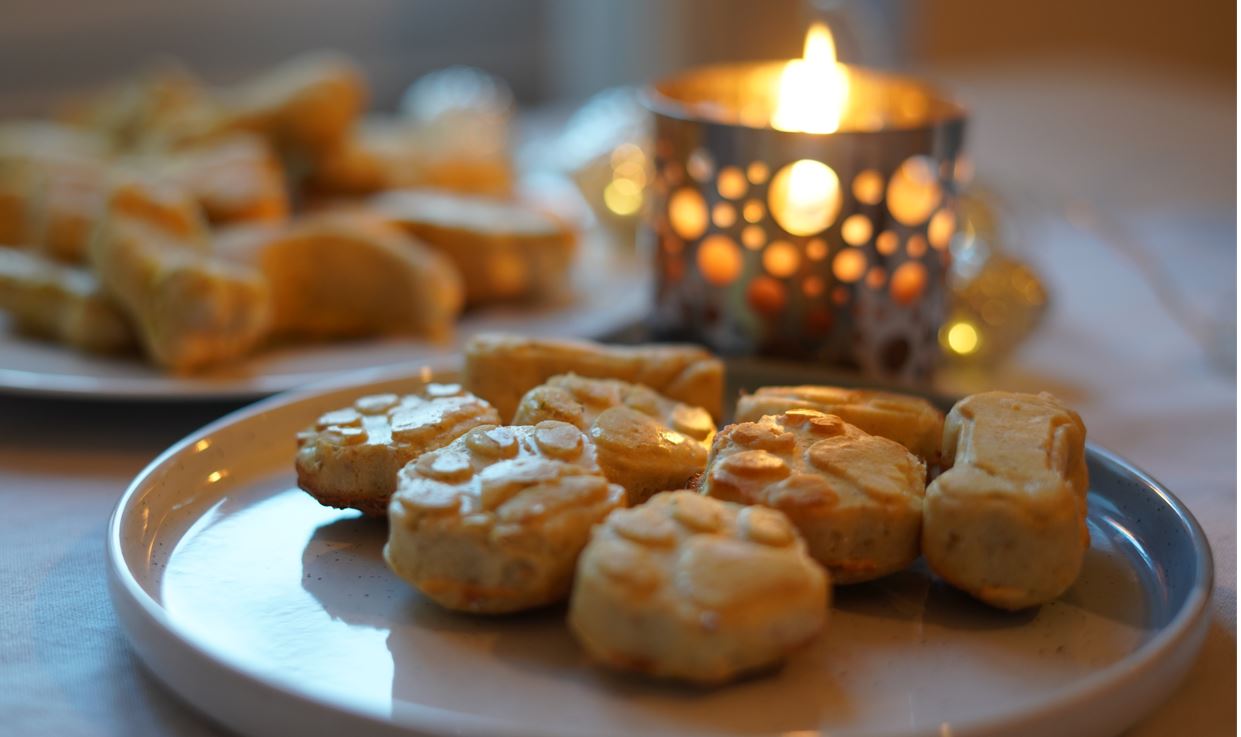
645 442
494 521
856 498
691 588
911 421
1007 523
350 457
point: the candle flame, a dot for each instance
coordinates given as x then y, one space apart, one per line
814 88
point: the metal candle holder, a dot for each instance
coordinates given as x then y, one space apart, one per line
830 247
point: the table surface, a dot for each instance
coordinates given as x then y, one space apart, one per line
1121 186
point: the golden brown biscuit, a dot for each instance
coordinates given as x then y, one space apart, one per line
695 589
1007 523
504 250
304 106
384 154
156 106
350 457
502 368
911 421
189 309
235 178
53 185
346 274
60 302
855 497
645 442
494 521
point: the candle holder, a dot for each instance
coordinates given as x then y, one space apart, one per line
816 246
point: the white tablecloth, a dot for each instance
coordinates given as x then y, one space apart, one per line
1084 152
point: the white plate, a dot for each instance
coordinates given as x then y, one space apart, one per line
609 292
276 616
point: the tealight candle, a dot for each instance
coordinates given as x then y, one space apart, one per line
804 208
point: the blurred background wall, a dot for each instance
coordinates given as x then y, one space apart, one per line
555 49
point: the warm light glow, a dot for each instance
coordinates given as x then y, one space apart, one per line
913 191
908 282
766 295
868 187
849 265
887 243
781 259
856 229
687 211
719 260
962 338
943 225
804 197
623 196
752 237
731 183
814 88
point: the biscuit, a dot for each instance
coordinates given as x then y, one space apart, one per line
350 457
856 498
1007 523
303 107
504 250
189 309
645 441
67 205
911 421
53 185
157 106
502 368
235 178
690 588
344 274
60 302
494 521
383 153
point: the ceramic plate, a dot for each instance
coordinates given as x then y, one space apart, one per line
608 293
275 616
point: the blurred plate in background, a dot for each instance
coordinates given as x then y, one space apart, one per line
608 292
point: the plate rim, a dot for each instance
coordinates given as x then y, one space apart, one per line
129 598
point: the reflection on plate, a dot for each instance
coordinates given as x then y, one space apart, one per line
608 293
277 616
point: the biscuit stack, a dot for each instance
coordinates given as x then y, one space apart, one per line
684 552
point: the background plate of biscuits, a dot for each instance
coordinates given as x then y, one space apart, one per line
563 538
166 238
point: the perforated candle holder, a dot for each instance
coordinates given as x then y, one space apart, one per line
831 247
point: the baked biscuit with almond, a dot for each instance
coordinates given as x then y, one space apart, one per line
350 456
646 442
494 521
856 498
690 588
